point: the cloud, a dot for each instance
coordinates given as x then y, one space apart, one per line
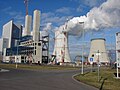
17 16
53 19
90 3
64 10
79 9
47 15
7 9
104 16
47 27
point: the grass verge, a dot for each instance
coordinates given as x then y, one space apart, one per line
37 67
106 82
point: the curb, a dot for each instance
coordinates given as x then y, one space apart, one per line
82 82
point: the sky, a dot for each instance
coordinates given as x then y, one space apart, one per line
100 17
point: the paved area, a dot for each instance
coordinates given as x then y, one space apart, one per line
4 70
40 80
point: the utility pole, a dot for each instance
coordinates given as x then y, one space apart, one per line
98 54
82 71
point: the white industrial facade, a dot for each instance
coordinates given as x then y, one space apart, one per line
3 44
7 32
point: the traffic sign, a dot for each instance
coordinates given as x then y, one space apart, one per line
91 59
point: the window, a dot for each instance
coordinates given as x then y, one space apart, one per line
35 52
39 44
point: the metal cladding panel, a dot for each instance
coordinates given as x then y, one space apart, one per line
98 45
36 25
61 47
28 20
7 32
1 44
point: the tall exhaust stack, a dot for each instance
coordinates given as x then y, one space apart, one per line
28 20
61 47
36 25
98 44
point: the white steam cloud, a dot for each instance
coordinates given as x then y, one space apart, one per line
105 16
47 27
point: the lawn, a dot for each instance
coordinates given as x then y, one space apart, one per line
37 67
107 79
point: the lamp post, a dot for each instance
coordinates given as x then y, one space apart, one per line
17 56
82 70
98 54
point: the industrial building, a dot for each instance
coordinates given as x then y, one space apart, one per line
20 46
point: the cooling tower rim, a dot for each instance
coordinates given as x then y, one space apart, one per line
98 39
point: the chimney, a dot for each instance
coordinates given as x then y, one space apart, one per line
28 19
36 25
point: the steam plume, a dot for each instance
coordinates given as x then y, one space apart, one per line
105 16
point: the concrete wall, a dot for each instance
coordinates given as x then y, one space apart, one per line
28 20
36 25
98 45
37 52
61 47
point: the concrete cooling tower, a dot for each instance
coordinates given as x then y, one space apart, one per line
98 45
61 47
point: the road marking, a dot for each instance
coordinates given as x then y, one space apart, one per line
4 70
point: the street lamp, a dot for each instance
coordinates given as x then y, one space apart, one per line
82 47
98 54
17 56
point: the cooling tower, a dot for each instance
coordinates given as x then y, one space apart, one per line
98 45
28 19
36 25
61 47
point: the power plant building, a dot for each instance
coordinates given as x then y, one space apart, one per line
25 48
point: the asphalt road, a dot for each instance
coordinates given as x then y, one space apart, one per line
40 80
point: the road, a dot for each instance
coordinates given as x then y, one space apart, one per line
41 80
